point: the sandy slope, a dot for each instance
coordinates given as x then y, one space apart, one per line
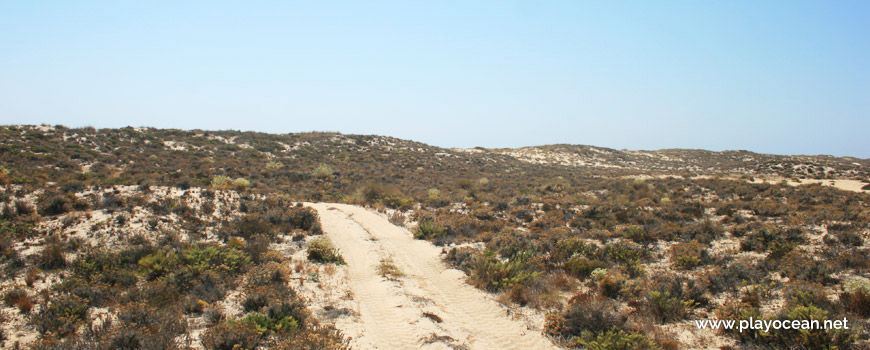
391 311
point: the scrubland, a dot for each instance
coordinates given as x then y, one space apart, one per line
146 238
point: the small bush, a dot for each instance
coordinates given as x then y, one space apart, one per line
687 256
266 324
224 259
52 255
615 339
810 338
585 313
232 335
314 338
19 298
158 264
491 274
671 298
322 172
799 265
637 234
321 250
268 273
61 316
581 267
387 268
54 205
221 182
240 184
856 295
427 229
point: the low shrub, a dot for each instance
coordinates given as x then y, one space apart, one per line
62 316
232 335
52 205
687 256
614 339
159 264
490 273
671 297
265 324
52 255
610 285
637 234
268 273
387 268
427 229
623 253
314 338
321 250
224 259
809 338
221 182
799 265
856 295
581 267
19 298
585 313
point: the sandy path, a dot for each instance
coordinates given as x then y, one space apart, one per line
391 311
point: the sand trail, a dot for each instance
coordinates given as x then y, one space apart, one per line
392 311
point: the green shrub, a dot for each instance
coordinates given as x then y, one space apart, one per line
637 234
240 184
585 313
52 255
810 338
232 335
54 205
274 165
225 259
321 250
799 265
671 297
62 316
687 256
158 264
615 339
323 172
265 324
624 253
567 248
314 338
268 273
398 202
491 274
581 267
856 295
221 182
428 229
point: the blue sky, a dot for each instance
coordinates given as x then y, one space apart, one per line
786 77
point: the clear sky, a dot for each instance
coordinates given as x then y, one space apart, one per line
785 77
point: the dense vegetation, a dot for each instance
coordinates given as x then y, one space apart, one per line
186 218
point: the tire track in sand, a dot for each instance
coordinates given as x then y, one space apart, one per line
469 316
